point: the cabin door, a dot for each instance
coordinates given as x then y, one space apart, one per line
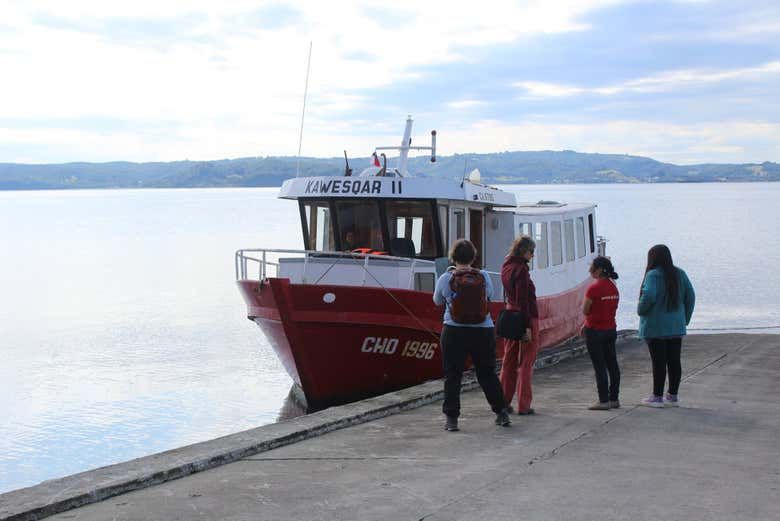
475 235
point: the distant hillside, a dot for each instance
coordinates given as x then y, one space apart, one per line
504 167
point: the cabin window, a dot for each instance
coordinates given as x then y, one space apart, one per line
568 235
460 223
590 228
556 249
317 226
444 222
318 232
580 237
526 229
540 237
360 225
411 227
425 282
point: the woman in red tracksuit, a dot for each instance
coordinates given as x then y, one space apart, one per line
520 355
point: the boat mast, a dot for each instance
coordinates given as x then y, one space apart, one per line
406 142
406 146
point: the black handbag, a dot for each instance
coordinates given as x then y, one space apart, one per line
511 323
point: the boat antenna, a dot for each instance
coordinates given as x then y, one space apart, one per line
465 167
303 112
347 169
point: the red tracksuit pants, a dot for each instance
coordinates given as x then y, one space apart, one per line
517 368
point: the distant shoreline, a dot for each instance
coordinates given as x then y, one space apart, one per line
540 167
611 183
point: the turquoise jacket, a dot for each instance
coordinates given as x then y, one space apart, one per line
655 320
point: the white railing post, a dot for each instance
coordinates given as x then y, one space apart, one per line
365 268
305 265
411 275
601 245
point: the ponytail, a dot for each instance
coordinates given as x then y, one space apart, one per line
607 269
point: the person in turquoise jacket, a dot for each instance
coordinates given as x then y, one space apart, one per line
665 307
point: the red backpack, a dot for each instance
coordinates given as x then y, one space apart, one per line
469 299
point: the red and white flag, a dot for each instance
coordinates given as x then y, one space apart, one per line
376 159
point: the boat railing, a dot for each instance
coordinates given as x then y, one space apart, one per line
312 267
601 245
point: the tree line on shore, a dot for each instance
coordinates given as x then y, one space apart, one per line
542 167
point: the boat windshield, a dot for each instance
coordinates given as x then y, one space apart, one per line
360 225
412 229
405 228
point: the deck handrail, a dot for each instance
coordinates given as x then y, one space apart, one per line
364 260
242 259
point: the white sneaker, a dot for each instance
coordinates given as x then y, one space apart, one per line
672 400
653 401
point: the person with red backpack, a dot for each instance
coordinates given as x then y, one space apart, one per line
467 330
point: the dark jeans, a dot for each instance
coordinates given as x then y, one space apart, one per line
480 344
601 348
665 354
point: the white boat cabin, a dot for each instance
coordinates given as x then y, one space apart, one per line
385 228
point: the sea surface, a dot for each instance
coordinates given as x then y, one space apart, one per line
122 332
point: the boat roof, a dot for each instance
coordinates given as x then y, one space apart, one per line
376 187
548 207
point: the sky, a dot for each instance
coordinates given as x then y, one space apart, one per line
155 80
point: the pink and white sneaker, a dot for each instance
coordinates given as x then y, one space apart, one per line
653 401
671 400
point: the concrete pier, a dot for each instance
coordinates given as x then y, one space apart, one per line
715 458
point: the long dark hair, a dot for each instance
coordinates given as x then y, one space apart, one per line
659 256
607 269
521 245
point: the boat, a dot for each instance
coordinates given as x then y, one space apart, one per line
350 315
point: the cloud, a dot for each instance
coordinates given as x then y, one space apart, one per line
227 78
274 16
130 30
664 81
726 141
466 104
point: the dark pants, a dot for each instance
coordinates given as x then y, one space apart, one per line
601 348
480 344
665 354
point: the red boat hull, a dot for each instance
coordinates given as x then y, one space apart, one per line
344 343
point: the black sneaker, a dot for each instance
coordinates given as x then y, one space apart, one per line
451 424
502 419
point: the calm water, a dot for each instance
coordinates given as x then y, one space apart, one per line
122 332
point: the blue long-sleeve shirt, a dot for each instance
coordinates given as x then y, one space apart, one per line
442 294
656 320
